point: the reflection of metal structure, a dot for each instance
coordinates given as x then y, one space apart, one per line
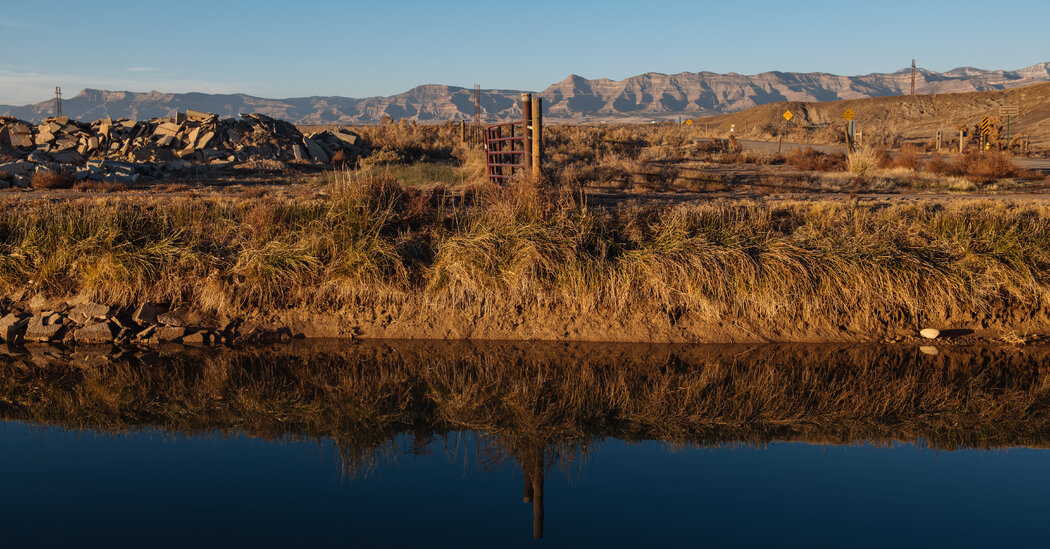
532 467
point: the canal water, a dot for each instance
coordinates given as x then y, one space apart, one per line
94 456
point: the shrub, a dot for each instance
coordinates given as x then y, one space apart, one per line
51 180
907 157
809 159
980 166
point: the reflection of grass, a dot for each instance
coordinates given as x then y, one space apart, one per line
564 394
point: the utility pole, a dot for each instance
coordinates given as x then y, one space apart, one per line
913 77
58 101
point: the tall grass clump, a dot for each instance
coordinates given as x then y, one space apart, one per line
862 161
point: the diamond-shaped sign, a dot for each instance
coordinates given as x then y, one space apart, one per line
849 114
788 115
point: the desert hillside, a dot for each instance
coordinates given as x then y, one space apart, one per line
919 116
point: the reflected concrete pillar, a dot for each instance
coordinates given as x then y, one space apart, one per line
532 469
537 498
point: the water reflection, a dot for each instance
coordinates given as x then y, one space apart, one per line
542 406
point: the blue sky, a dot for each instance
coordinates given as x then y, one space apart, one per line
358 49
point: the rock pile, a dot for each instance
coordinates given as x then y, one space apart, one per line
126 150
95 324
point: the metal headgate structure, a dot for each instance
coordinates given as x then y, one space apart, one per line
514 149
506 148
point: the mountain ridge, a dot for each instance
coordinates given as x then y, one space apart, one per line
646 96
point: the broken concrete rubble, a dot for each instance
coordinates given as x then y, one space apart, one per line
126 150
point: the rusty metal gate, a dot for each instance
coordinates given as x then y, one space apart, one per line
515 148
506 148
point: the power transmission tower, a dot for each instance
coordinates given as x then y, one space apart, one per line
913 77
476 97
58 101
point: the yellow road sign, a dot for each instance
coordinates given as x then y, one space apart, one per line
788 115
849 114
986 125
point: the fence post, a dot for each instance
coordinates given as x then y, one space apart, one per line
526 116
537 134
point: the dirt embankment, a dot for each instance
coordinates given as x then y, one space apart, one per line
77 321
911 117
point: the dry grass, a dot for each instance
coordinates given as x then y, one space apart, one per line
371 240
99 186
863 161
907 158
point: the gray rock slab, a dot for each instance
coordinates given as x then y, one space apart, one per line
12 328
18 167
145 314
169 333
315 150
89 311
98 332
37 330
172 318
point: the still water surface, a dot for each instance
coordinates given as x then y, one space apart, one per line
458 444
152 488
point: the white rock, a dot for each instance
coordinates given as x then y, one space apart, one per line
928 350
930 333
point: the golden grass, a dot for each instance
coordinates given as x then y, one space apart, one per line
863 161
823 264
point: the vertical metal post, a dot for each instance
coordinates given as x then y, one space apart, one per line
938 140
462 131
1007 132
526 127
962 137
913 77
537 135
